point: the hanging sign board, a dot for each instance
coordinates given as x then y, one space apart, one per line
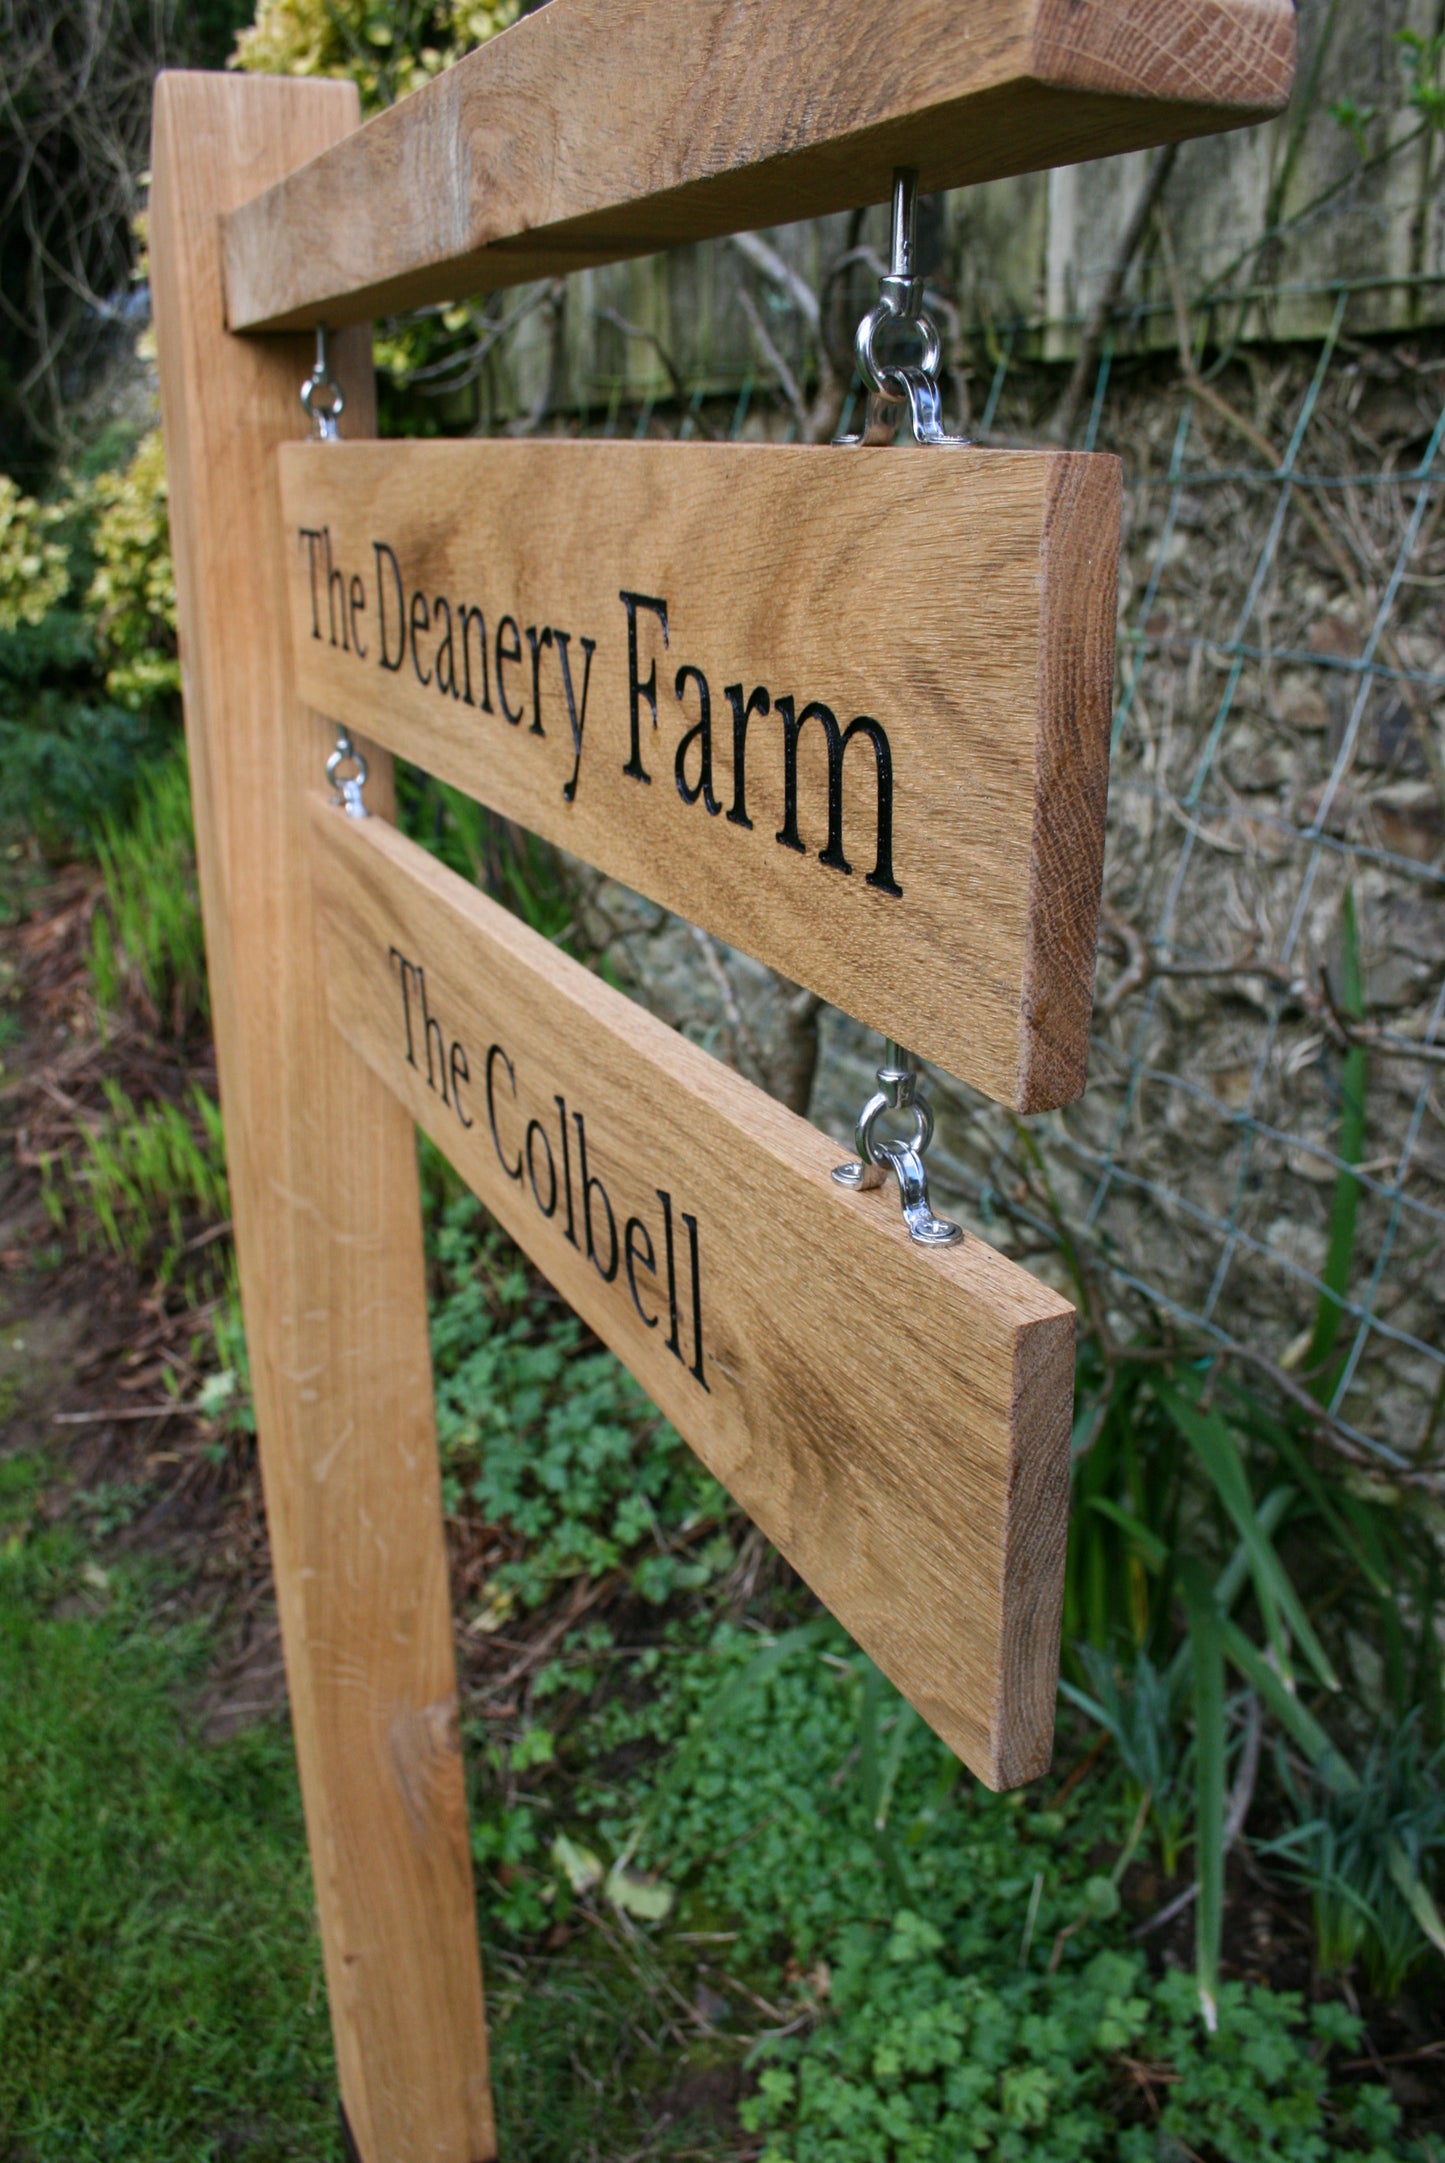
896 1420
846 709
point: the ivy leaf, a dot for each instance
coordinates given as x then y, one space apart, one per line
578 1865
636 1894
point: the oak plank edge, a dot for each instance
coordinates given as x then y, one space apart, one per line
1082 525
365 870
553 130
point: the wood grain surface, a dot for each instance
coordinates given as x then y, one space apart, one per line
937 876
895 1418
323 1180
596 129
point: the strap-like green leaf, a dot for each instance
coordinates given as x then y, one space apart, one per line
1207 1650
1214 1445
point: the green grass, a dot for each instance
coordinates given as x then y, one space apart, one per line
147 947
161 1995
144 1175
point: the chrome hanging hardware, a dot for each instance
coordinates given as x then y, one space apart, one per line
898 1091
324 402
346 788
322 397
900 391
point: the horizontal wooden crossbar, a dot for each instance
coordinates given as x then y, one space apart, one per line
597 129
895 1419
847 709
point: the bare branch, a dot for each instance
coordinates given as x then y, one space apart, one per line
782 275
1096 330
773 359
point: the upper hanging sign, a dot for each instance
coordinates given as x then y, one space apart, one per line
849 711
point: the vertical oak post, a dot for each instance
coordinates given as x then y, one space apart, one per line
323 1177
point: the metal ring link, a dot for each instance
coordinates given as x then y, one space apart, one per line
878 374
347 790
887 1101
322 399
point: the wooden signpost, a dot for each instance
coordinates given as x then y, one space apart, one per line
845 707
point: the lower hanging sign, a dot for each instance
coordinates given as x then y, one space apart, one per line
895 1419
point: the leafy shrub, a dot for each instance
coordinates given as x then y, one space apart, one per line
386 47
132 596
552 1440
68 758
86 601
34 571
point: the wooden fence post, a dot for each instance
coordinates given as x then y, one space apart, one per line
323 1178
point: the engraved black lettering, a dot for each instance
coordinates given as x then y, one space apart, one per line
692 1246
509 654
467 617
636 689
494 1053
460 1072
838 741
649 1262
536 1132
561 1104
405 967
311 535
758 702
431 1027
591 1184
445 652
420 621
577 720
701 735
537 640
382 549
357 607
335 596
673 1344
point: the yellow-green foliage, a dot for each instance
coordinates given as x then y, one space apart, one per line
34 570
133 594
386 47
